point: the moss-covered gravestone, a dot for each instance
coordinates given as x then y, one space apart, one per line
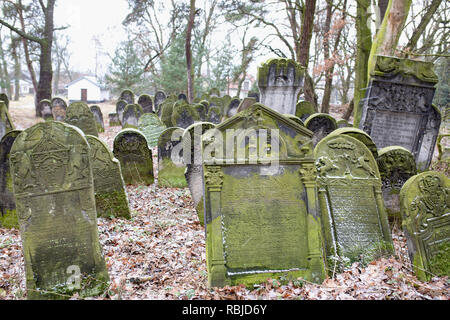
98 116
321 124
160 96
295 118
59 107
166 111
120 107
396 165
55 204
260 201
279 82
131 116
253 95
342 123
8 216
183 115
114 120
79 115
5 99
425 208
233 107
131 149
170 159
351 202
6 124
110 196
146 102
397 109
214 115
182 96
245 104
45 109
202 110
150 125
127 95
304 109
361 136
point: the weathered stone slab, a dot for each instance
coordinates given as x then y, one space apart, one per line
183 115
260 203
146 102
79 115
45 107
131 149
127 95
59 107
110 196
361 136
233 107
397 109
166 112
8 218
425 207
202 110
396 165
55 204
171 166
321 124
279 83
245 104
150 125
114 120
98 116
214 115
120 108
160 96
304 109
353 213
131 116
6 123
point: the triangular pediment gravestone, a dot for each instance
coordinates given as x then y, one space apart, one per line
110 197
260 203
131 149
6 123
351 202
55 204
8 216
150 125
79 115
98 116
171 166
425 208
59 107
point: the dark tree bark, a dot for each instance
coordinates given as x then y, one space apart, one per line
190 71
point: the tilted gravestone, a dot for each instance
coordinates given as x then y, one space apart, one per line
120 107
127 95
131 149
8 218
425 208
160 96
321 124
79 115
397 109
55 204
260 203
304 109
110 196
171 166
6 123
5 99
396 166
98 116
114 120
351 202
183 115
131 116
45 109
59 107
279 83
233 107
151 127
361 136
146 102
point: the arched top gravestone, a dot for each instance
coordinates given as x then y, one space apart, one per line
171 166
425 208
295 118
304 109
183 115
120 107
202 110
59 107
361 136
160 96
78 114
53 185
131 115
150 125
166 110
45 107
214 115
98 116
127 95
353 212
321 124
146 102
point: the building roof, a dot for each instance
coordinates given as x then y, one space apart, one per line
88 78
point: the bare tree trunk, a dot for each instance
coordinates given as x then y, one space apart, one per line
17 68
190 73
6 79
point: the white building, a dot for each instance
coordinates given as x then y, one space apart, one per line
86 89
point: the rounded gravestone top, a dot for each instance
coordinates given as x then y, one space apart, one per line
361 136
295 119
146 102
304 109
127 95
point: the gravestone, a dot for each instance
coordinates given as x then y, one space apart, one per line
202 111
214 115
321 124
98 116
170 159
361 136
396 166
45 107
295 119
397 109
131 116
182 96
351 202
166 112
183 115
304 109
8 218
127 95
342 123
5 99
79 115
145 101
131 149
425 207
120 107
110 196
160 96
260 204
233 107
279 83
253 95
55 204
59 107
151 127
245 104
6 124
114 120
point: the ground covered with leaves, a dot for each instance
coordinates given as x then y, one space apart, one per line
160 254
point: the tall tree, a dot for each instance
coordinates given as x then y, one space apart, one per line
188 52
15 49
